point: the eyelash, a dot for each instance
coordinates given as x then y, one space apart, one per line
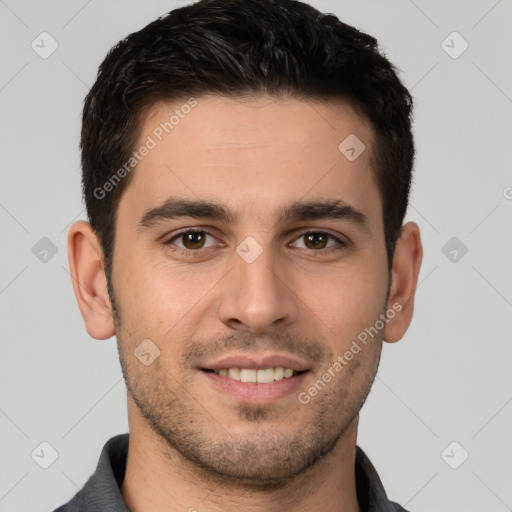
197 252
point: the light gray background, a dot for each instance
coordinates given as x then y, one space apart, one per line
447 380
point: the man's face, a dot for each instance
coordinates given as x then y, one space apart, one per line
254 291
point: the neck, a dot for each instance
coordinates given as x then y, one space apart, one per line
159 479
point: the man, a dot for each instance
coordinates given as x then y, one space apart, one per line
246 171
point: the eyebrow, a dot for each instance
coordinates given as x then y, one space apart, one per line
175 207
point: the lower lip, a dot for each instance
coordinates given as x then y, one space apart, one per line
252 392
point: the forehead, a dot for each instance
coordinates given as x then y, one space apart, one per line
238 125
254 154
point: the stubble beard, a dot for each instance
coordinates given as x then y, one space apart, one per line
267 457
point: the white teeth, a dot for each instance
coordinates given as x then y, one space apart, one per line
234 373
248 375
265 376
262 376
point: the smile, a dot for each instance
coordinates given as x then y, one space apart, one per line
260 376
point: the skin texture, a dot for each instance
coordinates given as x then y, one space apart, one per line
192 445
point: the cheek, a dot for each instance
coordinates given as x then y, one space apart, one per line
349 299
161 296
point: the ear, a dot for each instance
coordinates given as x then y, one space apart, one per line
86 264
404 279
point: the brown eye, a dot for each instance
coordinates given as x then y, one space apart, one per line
193 240
318 240
315 240
190 241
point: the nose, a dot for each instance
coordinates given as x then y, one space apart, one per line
258 295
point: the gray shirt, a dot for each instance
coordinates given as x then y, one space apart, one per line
101 493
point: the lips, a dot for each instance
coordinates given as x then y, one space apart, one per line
256 392
257 362
256 377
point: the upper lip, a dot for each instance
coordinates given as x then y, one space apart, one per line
257 362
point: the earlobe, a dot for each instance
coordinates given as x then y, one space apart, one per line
404 278
89 282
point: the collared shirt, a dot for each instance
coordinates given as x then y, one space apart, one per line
102 492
